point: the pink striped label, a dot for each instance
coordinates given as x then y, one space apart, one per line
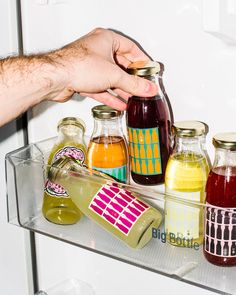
118 207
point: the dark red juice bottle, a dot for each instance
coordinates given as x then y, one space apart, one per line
220 218
149 123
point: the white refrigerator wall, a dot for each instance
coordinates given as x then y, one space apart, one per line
199 79
13 265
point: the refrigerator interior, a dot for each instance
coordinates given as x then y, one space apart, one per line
195 41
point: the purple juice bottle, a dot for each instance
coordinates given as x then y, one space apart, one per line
149 121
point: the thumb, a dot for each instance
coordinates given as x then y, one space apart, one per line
135 85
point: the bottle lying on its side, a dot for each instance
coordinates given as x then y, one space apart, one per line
103 200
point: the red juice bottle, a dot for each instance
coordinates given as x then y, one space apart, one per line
220 213
149 121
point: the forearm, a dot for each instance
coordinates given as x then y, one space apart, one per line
26 81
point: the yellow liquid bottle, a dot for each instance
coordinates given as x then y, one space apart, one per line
119 211
57 204
185 180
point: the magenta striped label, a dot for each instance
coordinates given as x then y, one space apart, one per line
118 207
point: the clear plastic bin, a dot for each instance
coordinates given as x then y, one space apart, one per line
25 184
69 287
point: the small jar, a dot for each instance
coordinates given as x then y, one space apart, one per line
185 180
57 204
220 213
107 151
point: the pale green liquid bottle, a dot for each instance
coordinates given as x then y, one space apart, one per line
117 210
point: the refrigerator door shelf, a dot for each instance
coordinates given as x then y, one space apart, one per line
25 184
70 286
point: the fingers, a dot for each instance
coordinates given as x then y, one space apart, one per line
120 94
132 84
127 48
108 99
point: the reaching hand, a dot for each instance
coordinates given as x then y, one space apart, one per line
94 64
91 65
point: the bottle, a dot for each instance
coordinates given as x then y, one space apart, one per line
221 202
116 209
185 180
57 204
149 123
107 150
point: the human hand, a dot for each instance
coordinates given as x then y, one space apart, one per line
93 64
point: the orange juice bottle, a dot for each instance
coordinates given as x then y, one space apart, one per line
57 204
107 151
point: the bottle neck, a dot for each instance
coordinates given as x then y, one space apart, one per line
224 157
189 145
107 127
157 79
70 132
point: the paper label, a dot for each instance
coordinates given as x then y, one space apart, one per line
181 219
119 173
71 152
54 189
220 231
118 207
144 145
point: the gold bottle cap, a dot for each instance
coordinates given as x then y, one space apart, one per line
226 140
72 121
62 165
144 68
105 112
190 128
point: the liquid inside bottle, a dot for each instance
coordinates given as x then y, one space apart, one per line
57 204
109 155
108 151
149 126
185 180
116 209
220 234
186 177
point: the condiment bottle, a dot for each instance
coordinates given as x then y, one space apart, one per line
149 123
107 151
57 204
220 213
186 175
116 209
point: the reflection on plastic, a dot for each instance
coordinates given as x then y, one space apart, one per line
71 286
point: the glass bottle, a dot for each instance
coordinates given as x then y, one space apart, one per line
220 211
107 151
116 209
185 180
149 123
57 204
